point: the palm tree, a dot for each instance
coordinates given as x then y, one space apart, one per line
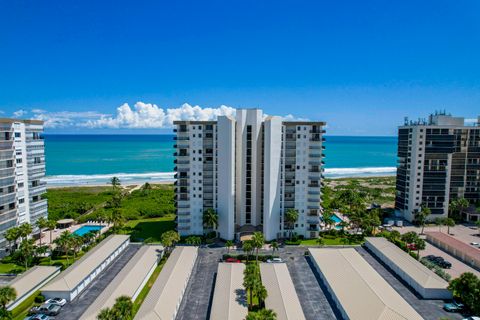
51 224
291 216
123 308
274 246
76 243
12 235
440 222
262 314
105 314
462 204
343 224
258 241
27 248
449 222
115 182
328 219
63 241
210 218
41 223
477 223
25 230
7 295
247 247
251 277
422 216
169 239
146 188
420 245
116 218
228 244
260 291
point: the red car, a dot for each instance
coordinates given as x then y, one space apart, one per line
232 260
411 246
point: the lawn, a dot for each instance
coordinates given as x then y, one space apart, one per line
149 228
329 242
10 268
143 294
21 311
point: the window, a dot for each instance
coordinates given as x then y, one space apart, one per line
20 201
18 134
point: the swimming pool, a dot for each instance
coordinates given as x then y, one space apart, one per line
336 218
86 229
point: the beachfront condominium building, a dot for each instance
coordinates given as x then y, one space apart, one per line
438 161
250 169
22 168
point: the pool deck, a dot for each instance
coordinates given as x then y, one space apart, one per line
56 233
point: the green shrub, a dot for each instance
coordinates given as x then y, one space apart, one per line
39 299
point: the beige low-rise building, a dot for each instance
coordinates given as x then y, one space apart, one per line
423 280
30 282
128 282
282 297
229 297
166 294
359 292
79 275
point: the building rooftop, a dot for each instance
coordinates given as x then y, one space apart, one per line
358 288
444 120
77 272
282 297
229 299
166 293
417 271
127 282
27 121
29 280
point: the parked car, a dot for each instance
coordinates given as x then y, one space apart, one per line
38 317
439 261
453 306
275 260
472 318
232 260
50 309
411 246
61 302
476 244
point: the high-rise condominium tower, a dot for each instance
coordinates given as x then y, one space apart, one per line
438 161
250 170
22 168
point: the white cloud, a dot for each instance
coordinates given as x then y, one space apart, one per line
140 116
147 115
20 113
65 119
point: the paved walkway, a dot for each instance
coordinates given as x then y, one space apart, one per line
313 298
428 309
199 293
77 307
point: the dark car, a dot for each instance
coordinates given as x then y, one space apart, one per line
453 306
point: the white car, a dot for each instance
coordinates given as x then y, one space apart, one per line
275 260
476 244
61 302
472 318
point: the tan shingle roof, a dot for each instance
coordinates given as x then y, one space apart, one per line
229 300
282 297
77 272
127 282
166 293
417 271
361 291
29 280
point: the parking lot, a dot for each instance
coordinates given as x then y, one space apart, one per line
458 267
428 309
313 298
77 307
199 292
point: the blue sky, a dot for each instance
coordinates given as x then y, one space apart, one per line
359 65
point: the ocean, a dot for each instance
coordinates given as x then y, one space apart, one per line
94 159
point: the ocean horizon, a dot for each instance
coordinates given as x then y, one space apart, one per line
92 159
